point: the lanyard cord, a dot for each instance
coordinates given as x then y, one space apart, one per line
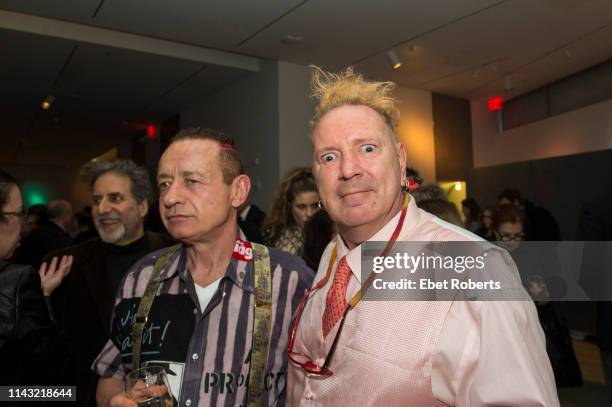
357 297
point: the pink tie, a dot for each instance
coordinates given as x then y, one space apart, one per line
336 304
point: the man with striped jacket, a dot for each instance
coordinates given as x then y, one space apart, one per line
203 325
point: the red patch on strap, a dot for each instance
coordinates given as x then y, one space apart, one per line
243 251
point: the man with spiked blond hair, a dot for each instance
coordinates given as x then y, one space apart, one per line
344 351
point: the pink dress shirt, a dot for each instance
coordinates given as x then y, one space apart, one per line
422 353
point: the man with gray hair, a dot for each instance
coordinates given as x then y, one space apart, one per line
83 299
50 235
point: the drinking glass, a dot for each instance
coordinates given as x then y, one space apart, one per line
149 387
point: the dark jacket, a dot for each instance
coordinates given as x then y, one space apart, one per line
255 216
47 237
595 278
540 224
83 304
33 349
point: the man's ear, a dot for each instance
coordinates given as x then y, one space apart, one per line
401 154
240 188
143 208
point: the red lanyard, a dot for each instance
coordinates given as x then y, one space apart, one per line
357 297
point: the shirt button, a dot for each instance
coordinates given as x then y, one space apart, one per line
188 402
195 311
241 274
194 356
309 395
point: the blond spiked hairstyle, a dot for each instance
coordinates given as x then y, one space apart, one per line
332 90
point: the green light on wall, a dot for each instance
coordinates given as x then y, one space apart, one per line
34 194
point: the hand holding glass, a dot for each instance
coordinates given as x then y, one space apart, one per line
148 386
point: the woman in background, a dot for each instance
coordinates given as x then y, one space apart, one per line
295 202
486 220
33 349
471 214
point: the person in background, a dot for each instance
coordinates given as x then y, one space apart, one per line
433 199
486 230
443 209
318 232
51 234
595 224
429 191
295 202
471 214
250 221
509 222
252 214
33 349
34 215
540 225
86 228
121 194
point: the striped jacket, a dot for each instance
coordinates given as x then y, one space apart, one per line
206 352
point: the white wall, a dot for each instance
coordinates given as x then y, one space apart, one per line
580 131
416 130
268 115
295 113
247 110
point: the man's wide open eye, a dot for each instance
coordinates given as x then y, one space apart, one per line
328 157
368 148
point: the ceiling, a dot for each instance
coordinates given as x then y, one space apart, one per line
465 48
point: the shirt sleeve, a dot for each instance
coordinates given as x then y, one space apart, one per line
493 353
108 364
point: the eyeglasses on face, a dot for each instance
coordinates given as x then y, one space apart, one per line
512 237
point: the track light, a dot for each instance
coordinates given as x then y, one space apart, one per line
508 82
46 104
393 59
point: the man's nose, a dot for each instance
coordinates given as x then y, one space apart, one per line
172 195
349 165
104 206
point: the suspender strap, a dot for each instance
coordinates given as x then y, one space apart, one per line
262 314
146 302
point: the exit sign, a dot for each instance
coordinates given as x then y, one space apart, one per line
496 103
